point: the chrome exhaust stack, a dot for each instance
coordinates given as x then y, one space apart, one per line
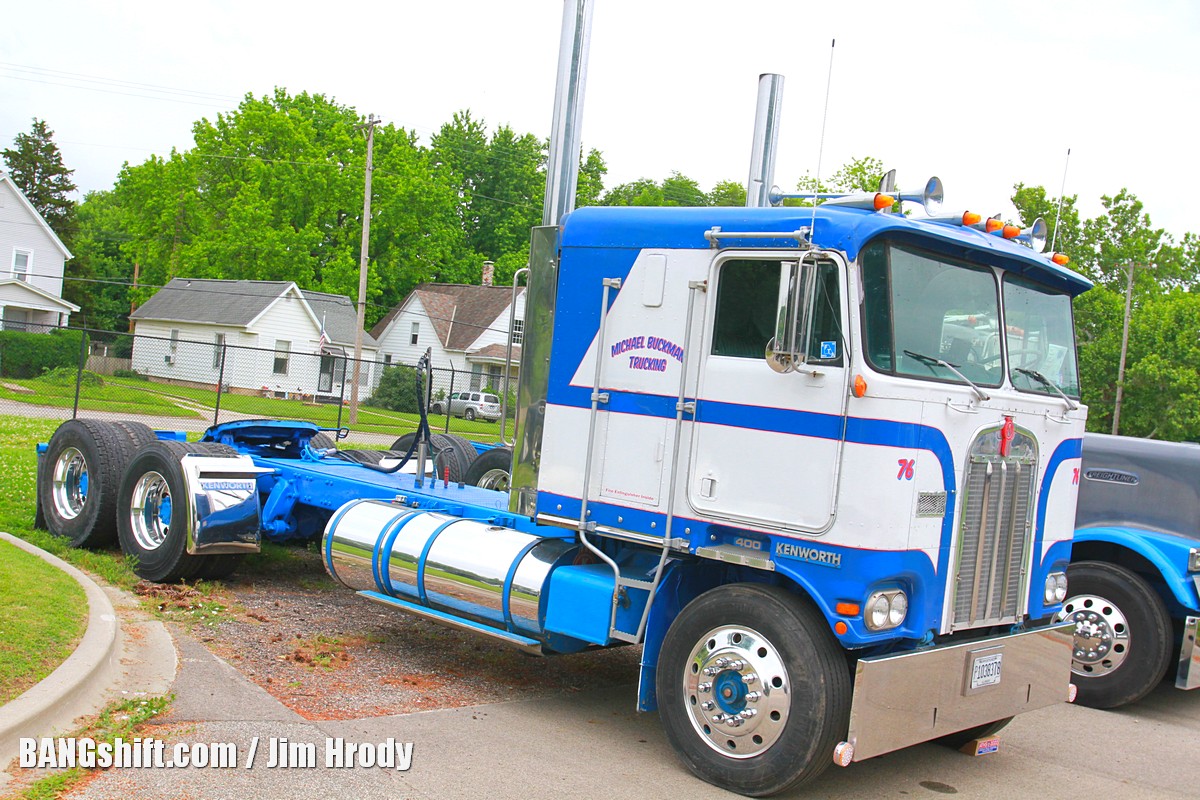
562 165
766 140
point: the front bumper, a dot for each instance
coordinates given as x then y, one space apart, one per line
902 700
1188 676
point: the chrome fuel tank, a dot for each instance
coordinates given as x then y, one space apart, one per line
464 567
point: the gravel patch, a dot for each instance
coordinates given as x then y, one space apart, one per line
326 653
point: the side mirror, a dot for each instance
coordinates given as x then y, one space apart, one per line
788 348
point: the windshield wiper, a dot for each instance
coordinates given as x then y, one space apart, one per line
1049 384
931 360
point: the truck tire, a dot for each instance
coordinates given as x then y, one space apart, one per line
1122 634
759 654
80 475
322 441
150 527
458 465
490 469
466 451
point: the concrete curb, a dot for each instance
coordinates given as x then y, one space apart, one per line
79 684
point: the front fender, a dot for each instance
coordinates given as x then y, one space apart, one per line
1167 552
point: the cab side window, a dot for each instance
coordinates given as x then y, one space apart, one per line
747 292
748 301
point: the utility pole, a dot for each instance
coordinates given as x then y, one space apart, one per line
1124 346
370 124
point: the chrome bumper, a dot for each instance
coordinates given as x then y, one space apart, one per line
1189 657
905 699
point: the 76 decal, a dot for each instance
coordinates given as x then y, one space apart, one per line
906 469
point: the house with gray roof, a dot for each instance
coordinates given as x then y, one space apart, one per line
464 326
260 336
32 260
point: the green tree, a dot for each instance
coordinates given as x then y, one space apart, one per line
727 193
590 186
273 191
856 175
97 278
36 167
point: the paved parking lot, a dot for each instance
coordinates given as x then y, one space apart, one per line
593 745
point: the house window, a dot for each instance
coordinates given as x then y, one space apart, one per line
416 329
282 349
476 376
518 331
387 359
218 346
22 261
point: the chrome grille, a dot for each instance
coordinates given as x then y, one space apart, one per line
995 531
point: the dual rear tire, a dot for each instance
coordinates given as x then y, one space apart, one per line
102 482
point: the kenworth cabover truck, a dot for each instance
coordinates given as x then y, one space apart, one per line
821 465
1134 579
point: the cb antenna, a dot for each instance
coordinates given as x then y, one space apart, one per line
1062 189
821 146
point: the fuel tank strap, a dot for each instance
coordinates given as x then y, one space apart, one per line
425 555
381 563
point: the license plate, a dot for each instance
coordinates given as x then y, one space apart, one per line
986 670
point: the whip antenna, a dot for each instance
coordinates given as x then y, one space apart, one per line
821 146
1062 189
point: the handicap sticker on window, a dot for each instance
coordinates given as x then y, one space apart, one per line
828 349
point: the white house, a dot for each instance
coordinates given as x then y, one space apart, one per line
466 327
32 258
275 337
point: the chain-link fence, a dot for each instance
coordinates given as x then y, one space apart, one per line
187 384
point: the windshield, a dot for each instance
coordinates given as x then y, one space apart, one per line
920 308
1040 338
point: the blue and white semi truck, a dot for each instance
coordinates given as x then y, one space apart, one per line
821 466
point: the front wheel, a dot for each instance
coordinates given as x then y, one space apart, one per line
1122 634
753 690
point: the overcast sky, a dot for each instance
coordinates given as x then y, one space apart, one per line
981 94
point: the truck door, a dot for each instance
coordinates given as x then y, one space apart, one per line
766 445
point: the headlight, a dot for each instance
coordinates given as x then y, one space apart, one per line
899 609
1056 588
886 610
1194 560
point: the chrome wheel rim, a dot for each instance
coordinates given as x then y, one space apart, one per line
494 479
70 483
150 511
1101 634
736 688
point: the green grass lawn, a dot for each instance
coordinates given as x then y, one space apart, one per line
111 396
18 471
44 615
140 397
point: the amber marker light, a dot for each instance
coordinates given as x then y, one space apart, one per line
841 628
884 201
970 218
860 386
1062 259
993 225
848 609
1010 232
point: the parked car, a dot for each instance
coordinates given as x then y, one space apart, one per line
469 405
